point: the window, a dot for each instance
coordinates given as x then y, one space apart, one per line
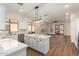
31 28
11 26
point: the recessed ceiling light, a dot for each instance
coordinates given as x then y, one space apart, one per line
66 6
20 10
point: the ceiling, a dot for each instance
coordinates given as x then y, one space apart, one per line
54 11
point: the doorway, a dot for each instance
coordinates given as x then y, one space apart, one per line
59 29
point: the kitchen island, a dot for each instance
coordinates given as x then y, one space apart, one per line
38 42
12 47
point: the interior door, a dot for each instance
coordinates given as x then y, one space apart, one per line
57 29
61 29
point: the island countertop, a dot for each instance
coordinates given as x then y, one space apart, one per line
9 45
39 35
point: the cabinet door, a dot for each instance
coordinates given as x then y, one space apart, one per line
46 45
31 42
27 40
37 45
34 42
41 45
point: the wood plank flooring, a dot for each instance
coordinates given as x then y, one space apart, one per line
60 45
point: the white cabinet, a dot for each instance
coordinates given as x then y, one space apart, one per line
40 44
29 41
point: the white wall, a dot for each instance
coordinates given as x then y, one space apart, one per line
2 17
67 29
74 28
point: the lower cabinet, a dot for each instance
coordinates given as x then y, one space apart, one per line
39 44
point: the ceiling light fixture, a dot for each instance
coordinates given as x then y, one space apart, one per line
21 4
38 18
21 7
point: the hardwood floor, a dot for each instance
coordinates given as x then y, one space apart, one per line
59 46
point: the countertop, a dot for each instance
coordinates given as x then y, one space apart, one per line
9 45
39 35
